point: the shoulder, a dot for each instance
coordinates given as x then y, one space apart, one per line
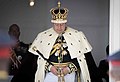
74 30
69 29
50 30
24 44
103 61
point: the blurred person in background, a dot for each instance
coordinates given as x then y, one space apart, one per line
23 64
114 61
19 50
104 67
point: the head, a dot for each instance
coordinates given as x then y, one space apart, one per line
107 50
59 18
14 31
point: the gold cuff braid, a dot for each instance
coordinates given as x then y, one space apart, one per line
47 66
72 67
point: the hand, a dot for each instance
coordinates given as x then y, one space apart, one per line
65 70
54 70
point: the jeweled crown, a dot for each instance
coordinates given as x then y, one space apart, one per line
59 15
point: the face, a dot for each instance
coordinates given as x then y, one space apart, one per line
59 27
14 32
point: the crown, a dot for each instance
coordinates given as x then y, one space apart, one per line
59 15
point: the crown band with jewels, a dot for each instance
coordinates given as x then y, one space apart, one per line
59 15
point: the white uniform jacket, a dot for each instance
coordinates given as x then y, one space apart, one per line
77 46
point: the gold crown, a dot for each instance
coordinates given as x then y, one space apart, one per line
59 15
